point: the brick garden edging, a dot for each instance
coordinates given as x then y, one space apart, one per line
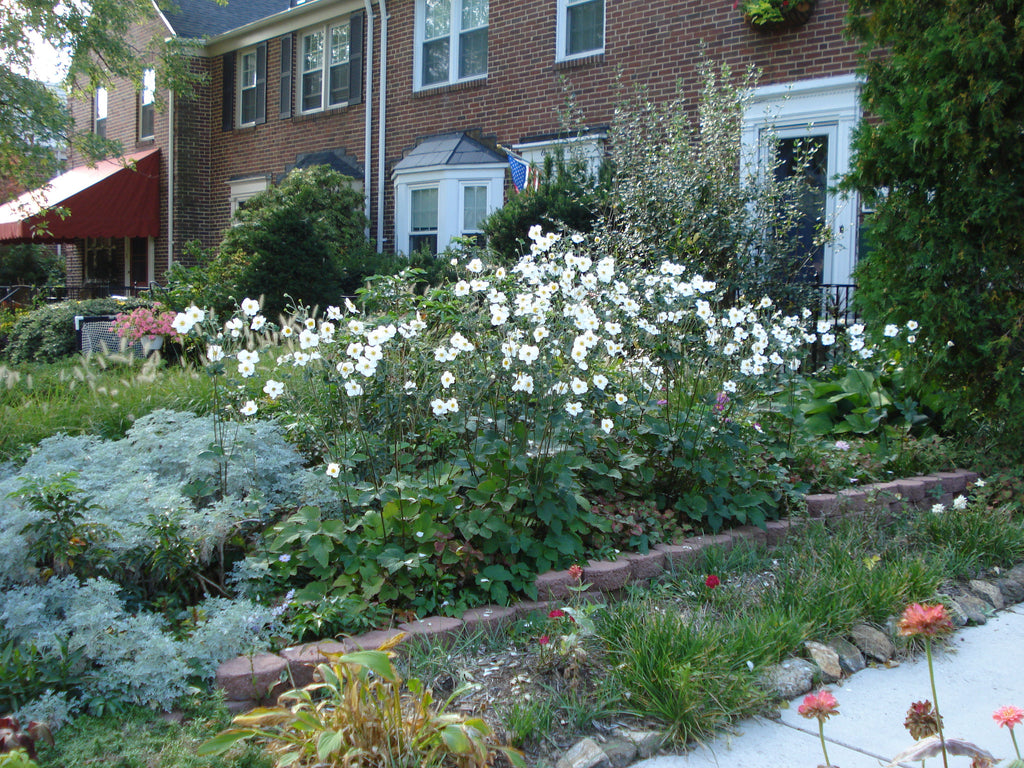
249 680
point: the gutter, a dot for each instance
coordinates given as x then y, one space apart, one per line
368 110
170 179
381 122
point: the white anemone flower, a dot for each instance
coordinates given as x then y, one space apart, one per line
249 408
273 389
215 353
447 379
258 323
353 388
439 407
574 408
578 386
251 307
607 425
620 398
600 381
333 469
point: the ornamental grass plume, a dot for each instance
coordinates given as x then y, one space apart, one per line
1010 716
820 706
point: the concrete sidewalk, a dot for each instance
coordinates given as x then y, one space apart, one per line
980 669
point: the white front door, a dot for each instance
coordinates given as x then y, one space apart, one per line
815 117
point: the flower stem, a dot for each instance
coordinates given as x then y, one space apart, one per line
1015 747
821 735
935 700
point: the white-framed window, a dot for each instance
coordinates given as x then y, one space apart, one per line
433 206
588 150
816 119
474 210
423 219
243 189
451 41
99 112
147 105
248 87
324 63
580 29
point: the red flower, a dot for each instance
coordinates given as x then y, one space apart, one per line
575 572
557 613
712 581
821 705
1008 716
926 620
544 640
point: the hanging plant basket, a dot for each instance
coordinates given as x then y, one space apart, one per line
794 13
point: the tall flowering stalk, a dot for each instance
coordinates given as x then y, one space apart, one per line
1010 716
820 706
928 621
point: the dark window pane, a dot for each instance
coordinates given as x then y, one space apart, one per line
808 158
473 53
338 93
312 84
435 62
586 27
146 119
420 242
248 112
101 127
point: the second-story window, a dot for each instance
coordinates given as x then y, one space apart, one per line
99 113
451 41
248 80
580 28
147 105
325 61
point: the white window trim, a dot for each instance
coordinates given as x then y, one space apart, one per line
240 86
454 31
325 67
243 189
450 181
590 149
833 105
463 186
562 33
100 108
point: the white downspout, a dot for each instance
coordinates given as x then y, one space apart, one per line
368 101
170 179
381 122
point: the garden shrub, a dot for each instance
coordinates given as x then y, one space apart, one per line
302 240
947 246
30 264
47 334
568 197
681 190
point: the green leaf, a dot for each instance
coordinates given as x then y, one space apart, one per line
224 741
376 661
456 739
329 743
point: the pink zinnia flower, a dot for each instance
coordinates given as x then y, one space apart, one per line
544 640
926 620
557 613
712 581
575 572
821 705
1008 716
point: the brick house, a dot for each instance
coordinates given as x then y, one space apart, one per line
293 83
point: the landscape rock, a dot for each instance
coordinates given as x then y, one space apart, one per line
751 534
371 641
791 678
438 628
988 592
851 660
1011 589
821 504
974 609
646 742
826 659
620 752
584 754
953 482
956 612
679 555
488 617
1017 574
303 659
247 678
776 531
240 707
554 585
872 643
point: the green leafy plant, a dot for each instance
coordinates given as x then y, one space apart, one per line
762 13
64 539
364 711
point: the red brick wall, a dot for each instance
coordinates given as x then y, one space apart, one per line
655 43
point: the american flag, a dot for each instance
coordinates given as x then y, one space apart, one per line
523 174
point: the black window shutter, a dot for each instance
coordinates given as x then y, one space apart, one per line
261 83
285 99
227 104
355 59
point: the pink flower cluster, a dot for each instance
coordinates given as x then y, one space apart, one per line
145 321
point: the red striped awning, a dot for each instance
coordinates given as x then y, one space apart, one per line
114 198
